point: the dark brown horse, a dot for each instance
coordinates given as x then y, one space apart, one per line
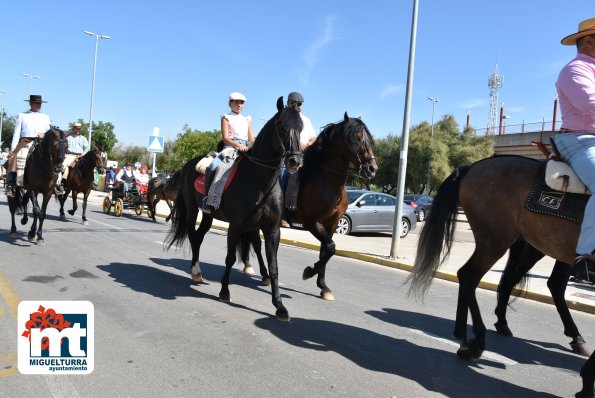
492 193
252 202
521 259
164 189
322 200
41 168
80 179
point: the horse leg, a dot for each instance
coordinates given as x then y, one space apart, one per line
196 237
85 222
154 207
557 283
521 259
257 245
469 277
74 206
62 200
25 218
271 247
46 199
327 250
33 231
233 239
588 378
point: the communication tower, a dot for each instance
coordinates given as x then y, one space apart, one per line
495 81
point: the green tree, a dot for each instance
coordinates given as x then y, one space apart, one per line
7 131
103 135
386 151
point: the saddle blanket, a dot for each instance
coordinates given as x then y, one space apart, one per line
543 200
21 161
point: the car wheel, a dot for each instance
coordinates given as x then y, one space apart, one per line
106 205
405 227
344 226
421 216
118 207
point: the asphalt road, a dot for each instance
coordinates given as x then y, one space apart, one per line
158 334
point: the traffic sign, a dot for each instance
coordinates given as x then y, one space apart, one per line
155 144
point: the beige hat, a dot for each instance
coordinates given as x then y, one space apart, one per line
77 124
585 28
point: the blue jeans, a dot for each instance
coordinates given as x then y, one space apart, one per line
283 176
579 150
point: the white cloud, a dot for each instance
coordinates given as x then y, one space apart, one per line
390 89
313 52
473 103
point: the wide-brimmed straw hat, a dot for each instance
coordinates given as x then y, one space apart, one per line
585 28
35 98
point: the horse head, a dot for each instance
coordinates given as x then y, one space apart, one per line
100 158
54 145
289 126
358 146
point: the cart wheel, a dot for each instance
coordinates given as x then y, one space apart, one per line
149 213
138 209
118 206
106 205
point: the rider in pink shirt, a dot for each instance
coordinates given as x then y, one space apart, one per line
576 141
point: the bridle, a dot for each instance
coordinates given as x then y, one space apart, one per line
62 144
354 172
276 164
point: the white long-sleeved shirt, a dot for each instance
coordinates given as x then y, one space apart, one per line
29 125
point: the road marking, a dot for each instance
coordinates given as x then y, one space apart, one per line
107 225
486 354
11 359
10 296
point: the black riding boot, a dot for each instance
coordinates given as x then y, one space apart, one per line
10 183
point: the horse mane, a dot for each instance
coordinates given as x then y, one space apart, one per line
288 116
317 153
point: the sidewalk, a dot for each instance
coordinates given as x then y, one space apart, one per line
376 249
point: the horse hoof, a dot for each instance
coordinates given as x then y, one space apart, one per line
197 278
249 270
62 216
85 222
503 330
71 212
466 355
24 221
282 315
265 282
13 235
225 298
327 296
40 242
308 273
579 346
30 237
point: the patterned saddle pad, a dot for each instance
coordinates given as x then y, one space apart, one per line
544 200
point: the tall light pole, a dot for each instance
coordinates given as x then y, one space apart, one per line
1 116
434 100
97 37
31 77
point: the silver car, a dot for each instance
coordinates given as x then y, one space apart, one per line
374 212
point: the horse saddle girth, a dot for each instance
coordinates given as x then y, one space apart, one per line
552 193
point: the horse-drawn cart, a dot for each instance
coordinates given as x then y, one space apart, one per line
136 198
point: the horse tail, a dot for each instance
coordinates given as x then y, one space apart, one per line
178 231
437 234
18 204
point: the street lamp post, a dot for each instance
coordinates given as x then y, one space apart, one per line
31 77
434 100
97 37
1 116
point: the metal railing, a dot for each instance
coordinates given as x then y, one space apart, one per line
519 128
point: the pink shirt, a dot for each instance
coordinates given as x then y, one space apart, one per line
576 94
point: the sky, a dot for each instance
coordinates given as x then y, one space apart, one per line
174 63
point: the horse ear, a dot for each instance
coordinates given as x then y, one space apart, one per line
346 118
280 104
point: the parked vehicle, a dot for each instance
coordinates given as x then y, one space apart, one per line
421 204
374 212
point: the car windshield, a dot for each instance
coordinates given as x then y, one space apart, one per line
353 195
